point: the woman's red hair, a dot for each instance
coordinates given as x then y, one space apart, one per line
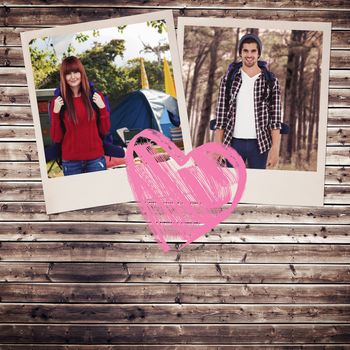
68 65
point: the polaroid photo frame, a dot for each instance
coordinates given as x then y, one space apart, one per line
299 178
64 193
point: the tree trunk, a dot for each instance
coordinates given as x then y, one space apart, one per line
200 58
290 97
301 100
208 96
236 45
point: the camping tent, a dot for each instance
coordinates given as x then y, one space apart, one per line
143 109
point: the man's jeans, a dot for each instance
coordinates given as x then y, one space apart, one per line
248 149
73 167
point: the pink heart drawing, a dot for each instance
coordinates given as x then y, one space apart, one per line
183 195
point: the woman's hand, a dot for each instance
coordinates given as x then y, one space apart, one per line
98 100
58 104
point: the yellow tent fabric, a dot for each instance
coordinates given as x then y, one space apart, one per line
168 80
144 79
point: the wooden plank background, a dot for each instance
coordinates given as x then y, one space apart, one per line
266 278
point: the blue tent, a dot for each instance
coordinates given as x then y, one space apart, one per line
143 109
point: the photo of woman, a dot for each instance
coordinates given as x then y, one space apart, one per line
79 120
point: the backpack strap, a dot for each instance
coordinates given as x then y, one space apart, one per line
232 71
110 149
234 68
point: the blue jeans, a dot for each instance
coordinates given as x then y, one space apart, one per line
73 167
248 149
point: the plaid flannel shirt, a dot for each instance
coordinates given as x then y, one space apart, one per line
267 110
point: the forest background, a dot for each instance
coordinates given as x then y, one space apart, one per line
104 61
293 56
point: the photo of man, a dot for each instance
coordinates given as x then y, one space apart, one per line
248 111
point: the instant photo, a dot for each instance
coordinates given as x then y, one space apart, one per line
294 59
93 87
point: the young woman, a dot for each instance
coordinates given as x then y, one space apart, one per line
82 146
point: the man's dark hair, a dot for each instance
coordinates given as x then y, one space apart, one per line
248 39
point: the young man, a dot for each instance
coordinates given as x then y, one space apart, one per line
251 121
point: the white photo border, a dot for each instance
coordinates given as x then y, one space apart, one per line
281 187
105 187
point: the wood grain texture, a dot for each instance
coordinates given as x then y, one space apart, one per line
192 3
175 334
174 347
139 232
53 16
173 273
268 277
106 293
178 313
148 252
15 115
129 212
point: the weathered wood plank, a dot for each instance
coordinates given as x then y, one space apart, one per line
251 4
174 293
336 116
151 252
21 191
336 195
175 334
338 156
11 57
139 232
11 36
15 115
335 136
336 175
339 78
173 273
46 16
339 59
340 39
178 313
339 97
17 76
25 133
18 151
175 347
129 212
19 95
3 20
27 151
30 171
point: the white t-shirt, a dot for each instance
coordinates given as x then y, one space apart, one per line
245 115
